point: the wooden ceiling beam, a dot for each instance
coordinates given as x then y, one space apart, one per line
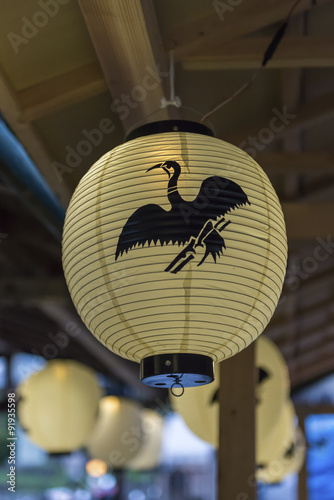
306 373
226 22
309 221
13 290
127 41
306 116
309 317
306 341
30 140
246 53
61 92
305 162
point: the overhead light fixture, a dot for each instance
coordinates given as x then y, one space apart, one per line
174 251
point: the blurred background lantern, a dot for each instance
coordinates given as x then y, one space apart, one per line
174 251
118 433
200 409
58 405
96 467
272 392
290 461
280 437
148 456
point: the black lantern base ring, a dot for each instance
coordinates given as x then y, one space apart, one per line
177 370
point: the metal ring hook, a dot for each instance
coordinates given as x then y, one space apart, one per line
173 386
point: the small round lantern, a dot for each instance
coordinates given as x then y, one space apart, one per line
118 433
58 405
148 456
174 251
200 409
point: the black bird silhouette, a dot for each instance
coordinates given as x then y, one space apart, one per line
185 220
262 376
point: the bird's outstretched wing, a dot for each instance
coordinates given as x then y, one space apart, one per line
217 196
149 224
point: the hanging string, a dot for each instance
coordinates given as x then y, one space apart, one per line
271 49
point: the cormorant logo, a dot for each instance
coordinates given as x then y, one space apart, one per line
194 224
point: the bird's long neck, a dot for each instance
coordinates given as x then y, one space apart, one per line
172 191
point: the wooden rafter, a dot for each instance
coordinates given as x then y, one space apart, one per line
30 140
61 91
224 24
307 370
306 116
308 220
293 52
127 41
310 162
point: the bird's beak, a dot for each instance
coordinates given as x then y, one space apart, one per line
159 165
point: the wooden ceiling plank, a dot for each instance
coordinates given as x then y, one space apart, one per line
315 314
61 92
30 140
309 221
225 25
306 116
246 53
306 162
322 365
126 36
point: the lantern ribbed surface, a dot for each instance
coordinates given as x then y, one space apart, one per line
126 227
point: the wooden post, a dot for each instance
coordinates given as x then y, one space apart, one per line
236 455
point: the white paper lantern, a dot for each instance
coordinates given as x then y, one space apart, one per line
118 433
200 409
58 405
174 251
149 451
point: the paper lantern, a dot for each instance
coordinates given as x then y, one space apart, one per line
58 405
290 461
199 407
271 393
280 437
118 433
149 451
174 251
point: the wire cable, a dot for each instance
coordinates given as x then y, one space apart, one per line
269 52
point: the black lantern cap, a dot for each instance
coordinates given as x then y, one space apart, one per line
176 370
162 126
